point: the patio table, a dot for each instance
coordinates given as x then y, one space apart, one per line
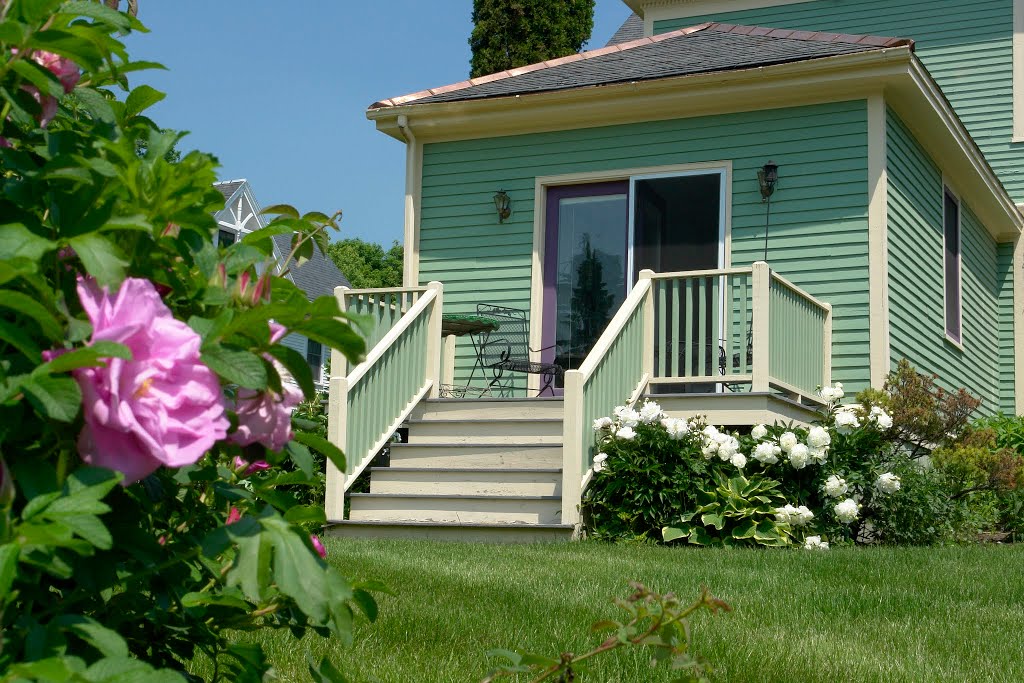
472 326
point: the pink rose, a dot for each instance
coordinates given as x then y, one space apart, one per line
233 516
319 546
265 416
162 407
251 468
66 72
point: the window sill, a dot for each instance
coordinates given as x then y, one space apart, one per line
953 342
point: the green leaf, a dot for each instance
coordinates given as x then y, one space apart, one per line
96 104
58 398
323 446
100 12
302 514
38 76
89 356
295 363
298 571
17 240
281 210
713 519
21 340
744 529
106 640
324 672
91 529
366 603
8 567
670 533
302 458
336 334
238 366
101 257
140 99
700 537
219 600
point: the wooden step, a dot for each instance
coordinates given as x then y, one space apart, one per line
488 408
468 533
477 455
389 507
466 481
461 431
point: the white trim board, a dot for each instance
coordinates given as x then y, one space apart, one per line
661 10
878 241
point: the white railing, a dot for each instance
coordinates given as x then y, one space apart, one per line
370 402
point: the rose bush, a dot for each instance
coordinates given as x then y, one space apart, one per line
151 472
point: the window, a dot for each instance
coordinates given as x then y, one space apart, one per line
951 259
315 358
225 238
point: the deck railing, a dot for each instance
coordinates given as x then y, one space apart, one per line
369 403
730 328
615 372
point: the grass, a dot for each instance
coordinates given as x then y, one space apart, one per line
863 614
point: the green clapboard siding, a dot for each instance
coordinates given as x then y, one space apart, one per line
967 47
1007 377
916 320
822 154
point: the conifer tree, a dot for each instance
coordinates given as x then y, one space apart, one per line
511 33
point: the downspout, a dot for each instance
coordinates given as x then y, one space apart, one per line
413 171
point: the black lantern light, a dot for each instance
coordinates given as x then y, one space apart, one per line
766 178
503 205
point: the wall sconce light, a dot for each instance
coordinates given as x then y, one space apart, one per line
767 176
503 204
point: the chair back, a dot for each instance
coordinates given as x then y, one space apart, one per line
510 343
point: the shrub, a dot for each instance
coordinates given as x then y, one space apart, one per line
150 473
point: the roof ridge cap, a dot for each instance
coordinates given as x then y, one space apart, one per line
538 66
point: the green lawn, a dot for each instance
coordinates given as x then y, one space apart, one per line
849 615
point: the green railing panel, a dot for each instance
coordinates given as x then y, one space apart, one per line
701 319
387 388
796 338
613 381
384 307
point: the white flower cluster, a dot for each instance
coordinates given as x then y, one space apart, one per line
815 543
881 418
833 393
599 461
846 420
759 432
847 511
801 455
887 483
794 516
725 446
835 486
676 427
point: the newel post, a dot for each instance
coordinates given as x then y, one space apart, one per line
573 447
826 371
337 427
434 340
760 371
648 322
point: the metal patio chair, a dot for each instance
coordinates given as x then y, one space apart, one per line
507 350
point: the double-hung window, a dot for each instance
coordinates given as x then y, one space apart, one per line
951 263
315 358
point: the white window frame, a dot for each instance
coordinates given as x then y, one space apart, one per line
948 190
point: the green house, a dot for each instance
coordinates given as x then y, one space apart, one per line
730 205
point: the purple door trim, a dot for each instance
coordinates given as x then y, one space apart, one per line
554 196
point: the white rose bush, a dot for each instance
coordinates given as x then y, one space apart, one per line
665 477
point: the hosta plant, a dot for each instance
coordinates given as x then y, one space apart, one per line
736 511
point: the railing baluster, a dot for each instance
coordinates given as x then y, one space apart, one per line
687 332
676 327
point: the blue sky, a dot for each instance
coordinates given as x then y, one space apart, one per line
277 91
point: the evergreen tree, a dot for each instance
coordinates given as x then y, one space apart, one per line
511 33
591 300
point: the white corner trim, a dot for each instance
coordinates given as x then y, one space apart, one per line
1018 325
1018 71
413 195
878 242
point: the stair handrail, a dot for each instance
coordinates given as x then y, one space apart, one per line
411 351
633 322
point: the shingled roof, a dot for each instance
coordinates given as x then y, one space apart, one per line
316 277
706 48
229 187
632 29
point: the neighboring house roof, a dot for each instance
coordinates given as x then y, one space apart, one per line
631 29
316 277
702 49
